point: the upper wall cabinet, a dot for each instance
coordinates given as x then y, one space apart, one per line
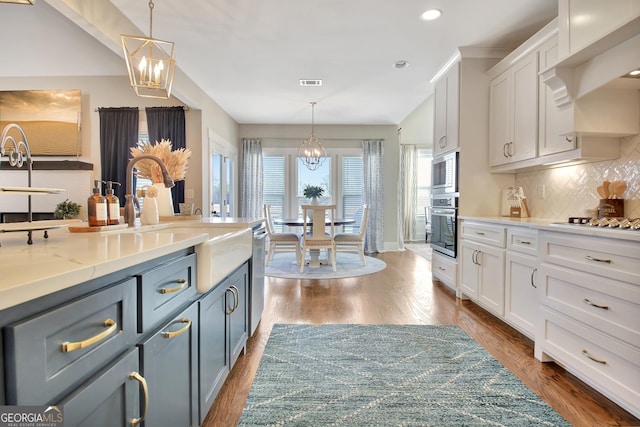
446 99
513 112
587 129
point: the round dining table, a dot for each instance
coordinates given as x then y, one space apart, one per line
314 254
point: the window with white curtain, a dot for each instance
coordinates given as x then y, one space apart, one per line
423 193
285 177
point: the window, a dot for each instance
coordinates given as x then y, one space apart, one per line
284 178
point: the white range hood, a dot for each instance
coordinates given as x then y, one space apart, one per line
596 65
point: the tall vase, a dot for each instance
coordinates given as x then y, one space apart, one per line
314 202
164 199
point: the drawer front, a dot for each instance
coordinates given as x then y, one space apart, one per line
522 240
613 258
165 289
484 233
444 270
608 305
48 355
608 365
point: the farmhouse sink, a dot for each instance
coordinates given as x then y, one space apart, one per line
220 255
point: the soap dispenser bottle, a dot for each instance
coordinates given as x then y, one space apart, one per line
113 205
97 211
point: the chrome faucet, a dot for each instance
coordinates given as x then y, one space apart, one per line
129 209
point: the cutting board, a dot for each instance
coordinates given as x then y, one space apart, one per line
85 228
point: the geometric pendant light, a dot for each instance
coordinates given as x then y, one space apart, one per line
311 152
150 62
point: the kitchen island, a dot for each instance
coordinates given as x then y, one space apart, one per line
117 319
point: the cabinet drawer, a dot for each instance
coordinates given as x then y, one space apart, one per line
484 233
607 364
54 352
613 258
164 289
608 305
444 270
522 240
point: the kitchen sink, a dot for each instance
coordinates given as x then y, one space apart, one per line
221 254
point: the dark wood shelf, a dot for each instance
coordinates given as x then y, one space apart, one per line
51 165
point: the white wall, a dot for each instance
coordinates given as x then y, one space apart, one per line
48 51
417 127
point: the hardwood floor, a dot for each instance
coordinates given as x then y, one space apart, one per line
404 293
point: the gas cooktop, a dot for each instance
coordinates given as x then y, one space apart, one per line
632 224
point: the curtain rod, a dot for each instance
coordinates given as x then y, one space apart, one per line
298 139
185 108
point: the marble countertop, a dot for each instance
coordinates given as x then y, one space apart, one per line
559 225
66 259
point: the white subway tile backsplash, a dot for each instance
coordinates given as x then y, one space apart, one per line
569 191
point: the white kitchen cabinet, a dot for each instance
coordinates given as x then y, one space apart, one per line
513 112
521 265
444 269
446 114
482 265
589 290
584 22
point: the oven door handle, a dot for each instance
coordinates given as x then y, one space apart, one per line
447 212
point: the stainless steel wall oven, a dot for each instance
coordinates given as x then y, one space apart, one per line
444 217
444 204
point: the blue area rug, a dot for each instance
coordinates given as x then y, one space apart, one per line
386 375
348 265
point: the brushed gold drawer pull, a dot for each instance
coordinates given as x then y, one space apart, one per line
180 331
595 359
183 284
523 242
72 346
136 376
590 258
604 307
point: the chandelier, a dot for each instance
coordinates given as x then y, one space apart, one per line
150 62
311 152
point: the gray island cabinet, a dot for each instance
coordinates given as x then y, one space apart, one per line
138 345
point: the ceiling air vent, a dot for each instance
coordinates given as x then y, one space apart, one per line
310 82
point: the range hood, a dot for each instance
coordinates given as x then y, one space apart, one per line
596 65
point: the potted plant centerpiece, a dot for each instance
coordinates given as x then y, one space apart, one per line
175 161
66 210
313 192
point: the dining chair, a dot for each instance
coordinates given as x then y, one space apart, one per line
280 242
317 238
354 242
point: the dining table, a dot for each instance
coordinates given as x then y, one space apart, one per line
314 260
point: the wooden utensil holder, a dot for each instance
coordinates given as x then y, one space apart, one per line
611 208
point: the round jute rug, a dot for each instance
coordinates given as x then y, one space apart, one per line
348 265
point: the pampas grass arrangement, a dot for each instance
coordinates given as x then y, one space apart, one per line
176 161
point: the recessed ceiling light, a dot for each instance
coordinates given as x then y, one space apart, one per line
400 64
431 14
635 73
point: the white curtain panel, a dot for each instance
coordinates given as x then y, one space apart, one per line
251 199
407 193
373 194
